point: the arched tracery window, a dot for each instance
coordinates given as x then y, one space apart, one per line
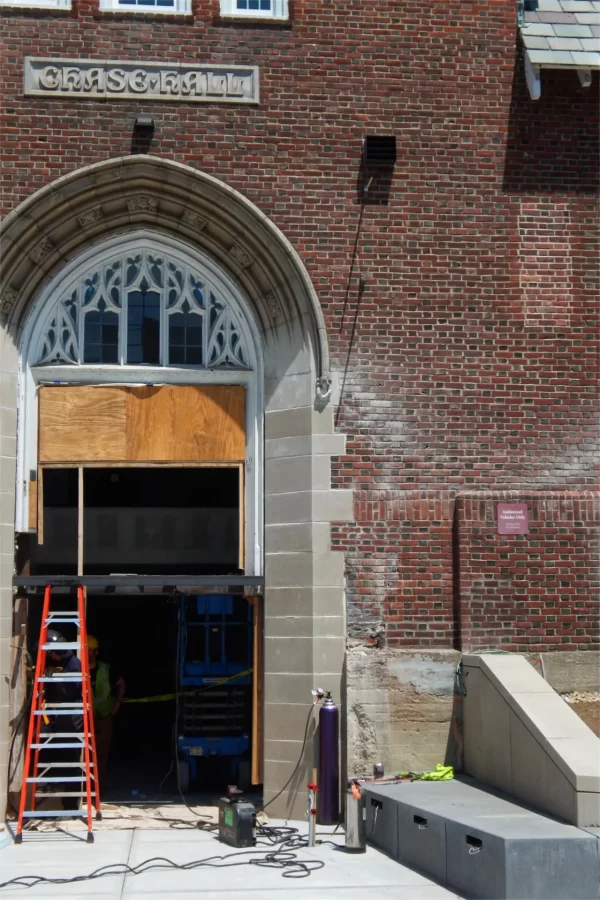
143 308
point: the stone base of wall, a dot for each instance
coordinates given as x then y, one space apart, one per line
402 711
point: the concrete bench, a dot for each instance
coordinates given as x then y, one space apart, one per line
481 843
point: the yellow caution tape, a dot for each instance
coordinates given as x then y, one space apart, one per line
159 698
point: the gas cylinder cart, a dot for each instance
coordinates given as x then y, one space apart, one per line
215 687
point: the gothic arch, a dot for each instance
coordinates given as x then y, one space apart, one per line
304 577
58 221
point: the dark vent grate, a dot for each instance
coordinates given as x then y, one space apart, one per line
379 150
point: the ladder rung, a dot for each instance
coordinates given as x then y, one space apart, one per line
64 794
62 612
63 617
57 678
58 747
59 646
64 765
59 712
62 734
54 813
41 779
61 705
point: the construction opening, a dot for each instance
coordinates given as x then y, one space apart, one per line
140 492
189 717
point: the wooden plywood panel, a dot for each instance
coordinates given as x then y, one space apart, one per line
78 424
149 423
184 423
257 775
173 423
33 504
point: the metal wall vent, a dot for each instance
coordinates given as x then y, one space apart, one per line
379 150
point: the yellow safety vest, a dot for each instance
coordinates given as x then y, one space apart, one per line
103 699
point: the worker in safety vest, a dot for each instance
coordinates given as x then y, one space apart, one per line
108 691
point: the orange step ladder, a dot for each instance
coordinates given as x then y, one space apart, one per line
38 774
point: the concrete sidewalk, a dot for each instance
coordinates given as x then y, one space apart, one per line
65 855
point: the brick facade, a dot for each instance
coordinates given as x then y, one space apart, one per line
532 592
460 295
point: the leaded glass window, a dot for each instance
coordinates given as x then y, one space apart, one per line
143 308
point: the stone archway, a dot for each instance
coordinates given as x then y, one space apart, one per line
304 604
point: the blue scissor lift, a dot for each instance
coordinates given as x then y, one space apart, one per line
215 637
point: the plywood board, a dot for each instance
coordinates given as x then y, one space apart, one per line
33 504
257 775
172 423
80 423
40 498
210 423
150 414
185 423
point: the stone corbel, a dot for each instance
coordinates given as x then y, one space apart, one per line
585 77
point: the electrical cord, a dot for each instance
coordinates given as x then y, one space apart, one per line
282 859
297 766
282 843
16 728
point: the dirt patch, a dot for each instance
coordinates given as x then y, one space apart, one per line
587 707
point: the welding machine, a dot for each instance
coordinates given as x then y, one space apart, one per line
237 822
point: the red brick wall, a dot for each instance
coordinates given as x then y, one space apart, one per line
536 591
460 296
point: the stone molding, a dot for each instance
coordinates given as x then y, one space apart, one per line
142 203
8 300
39 253
195 221
241 256
273 304
197 208
91 217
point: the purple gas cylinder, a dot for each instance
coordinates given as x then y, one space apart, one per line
329 768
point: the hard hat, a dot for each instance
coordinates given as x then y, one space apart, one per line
92 642
55 637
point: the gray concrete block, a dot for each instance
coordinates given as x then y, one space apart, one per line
297 537
422 841
509 859
382 818
302 445
303 420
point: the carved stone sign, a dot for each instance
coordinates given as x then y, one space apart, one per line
513 518
88 78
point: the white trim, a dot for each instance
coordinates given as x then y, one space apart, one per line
279 10
179 8
38 4
31 376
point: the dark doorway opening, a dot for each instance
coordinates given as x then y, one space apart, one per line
141 520
177 655
137 637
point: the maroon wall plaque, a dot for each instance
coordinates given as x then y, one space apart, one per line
513 518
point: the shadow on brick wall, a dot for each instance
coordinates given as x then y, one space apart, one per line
553 142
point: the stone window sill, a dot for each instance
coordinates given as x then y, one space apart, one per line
254 20
130 14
